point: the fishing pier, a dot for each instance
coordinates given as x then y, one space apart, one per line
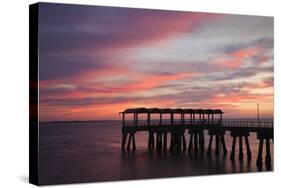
166 131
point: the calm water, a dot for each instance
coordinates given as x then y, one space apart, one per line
90 152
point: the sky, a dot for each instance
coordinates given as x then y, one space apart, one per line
95 61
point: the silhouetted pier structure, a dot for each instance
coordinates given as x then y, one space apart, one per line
195 121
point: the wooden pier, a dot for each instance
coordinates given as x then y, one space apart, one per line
195 121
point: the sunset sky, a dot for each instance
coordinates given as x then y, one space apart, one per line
97 61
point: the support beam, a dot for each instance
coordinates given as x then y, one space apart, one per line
210 145
232 155
223 144
134 143
195 142
124 138
190 142
172 119
165 141
183 141
202 141
217 144
259 159
240 149
172 141
267 156
129 142
249 154
123 119
160 119
148 119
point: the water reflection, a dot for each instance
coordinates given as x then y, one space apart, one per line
87 152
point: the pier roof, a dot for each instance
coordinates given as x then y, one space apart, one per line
171 111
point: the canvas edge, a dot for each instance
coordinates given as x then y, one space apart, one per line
33 95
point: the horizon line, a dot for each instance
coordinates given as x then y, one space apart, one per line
100 120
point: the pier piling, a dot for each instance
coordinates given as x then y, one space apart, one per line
259 159
210 144
249 154
267 156
240 149
264 135
232 155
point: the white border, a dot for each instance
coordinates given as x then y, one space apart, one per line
14 90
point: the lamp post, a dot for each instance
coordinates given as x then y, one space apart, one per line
258 113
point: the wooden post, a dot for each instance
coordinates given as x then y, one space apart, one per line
165 141
183 141
259 159
194 117
202 141
137 120
190 119
149 142
223 144
217 144
134 120
172 141
210 144
249 155
267 156
129 142
172 119
212 118
195 142
124 138
157 141
178 143
204 118
134 143
240 149
232 155
160 118
152 140
161 140
123 119
190 142
148 119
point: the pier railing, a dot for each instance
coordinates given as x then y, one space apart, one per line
168 122
254 124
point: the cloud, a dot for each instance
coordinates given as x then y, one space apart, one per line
78 28
236 55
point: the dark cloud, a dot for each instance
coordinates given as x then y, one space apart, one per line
245 73
264 43
73 27
52 68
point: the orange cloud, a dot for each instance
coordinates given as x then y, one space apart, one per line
235 59
153 81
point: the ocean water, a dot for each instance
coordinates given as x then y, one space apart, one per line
91 152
